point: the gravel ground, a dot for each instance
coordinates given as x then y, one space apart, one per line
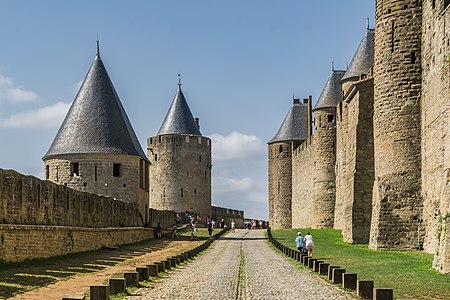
241 265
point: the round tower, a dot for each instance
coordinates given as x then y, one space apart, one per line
324 194
96 149
291 133
397 204
180 163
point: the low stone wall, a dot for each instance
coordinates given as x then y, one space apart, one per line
22 242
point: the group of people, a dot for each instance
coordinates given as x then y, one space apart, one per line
305 244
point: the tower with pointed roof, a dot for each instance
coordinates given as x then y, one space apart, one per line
354 146
293 131
96 149
180 157
324 193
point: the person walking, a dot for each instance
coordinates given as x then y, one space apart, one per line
174 231
309 243
192 229
158 230
210 229
233 226
299 242
222 224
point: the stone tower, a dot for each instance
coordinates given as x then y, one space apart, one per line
397 202
324 194
292 132
180 157
96 149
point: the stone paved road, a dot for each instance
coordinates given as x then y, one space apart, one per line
241 265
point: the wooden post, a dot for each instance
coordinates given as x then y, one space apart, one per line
323 268
153 270
143 273
337 275
311 262
73 297
316 265
383 294
330 271
116 285
364 289
131 278
161 266
349 281
99 292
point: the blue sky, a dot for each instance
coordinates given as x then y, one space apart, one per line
240 63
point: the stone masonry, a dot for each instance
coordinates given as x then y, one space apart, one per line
180 173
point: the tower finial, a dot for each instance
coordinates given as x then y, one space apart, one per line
98 47
179 81
368 23
332 65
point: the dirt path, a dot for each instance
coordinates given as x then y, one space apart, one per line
52 278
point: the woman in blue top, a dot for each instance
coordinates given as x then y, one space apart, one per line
299 241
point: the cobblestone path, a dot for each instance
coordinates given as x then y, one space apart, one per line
241 265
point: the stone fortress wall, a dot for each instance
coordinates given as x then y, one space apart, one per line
392 140
180 173
435 124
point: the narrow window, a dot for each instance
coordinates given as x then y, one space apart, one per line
195 191
278 187
433 4
160 139
280 149
156 157
164 192
151 140
117 170
95 172
47 172
181 194
57 174
205 174
187 173
67 199
413 57
330 118
75 169
199 158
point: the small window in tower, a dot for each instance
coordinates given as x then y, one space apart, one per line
330 118
206 174
280 149
181 194
117 170
95 172
195 191
433 4
160 138
405 7
156 157
151 140
413 57
47 172
74 169
187 173
200 158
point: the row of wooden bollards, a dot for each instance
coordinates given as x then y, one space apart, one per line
143 273
364 288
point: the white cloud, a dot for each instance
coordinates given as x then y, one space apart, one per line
227 185
14 93
236 145
45 117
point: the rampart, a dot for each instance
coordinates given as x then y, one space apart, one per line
27 200
228 215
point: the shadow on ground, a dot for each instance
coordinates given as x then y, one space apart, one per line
17 278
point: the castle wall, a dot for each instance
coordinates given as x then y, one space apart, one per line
324 192
228 215
354 163
180 173
303 185
31 201
95 175
397 204
435 109
23 242
280 185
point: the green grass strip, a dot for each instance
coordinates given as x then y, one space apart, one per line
408 273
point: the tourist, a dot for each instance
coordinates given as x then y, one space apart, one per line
222 224
233 226
158 230
174 231
210 229
299 241
213 223
177 219
309 243
192 229
260 224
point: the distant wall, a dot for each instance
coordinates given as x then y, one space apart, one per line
27 200
22 242
227 214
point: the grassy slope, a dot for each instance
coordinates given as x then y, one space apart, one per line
408 273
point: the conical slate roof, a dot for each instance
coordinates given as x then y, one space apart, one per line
364 57
179 119
96 121
332 92
294 126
